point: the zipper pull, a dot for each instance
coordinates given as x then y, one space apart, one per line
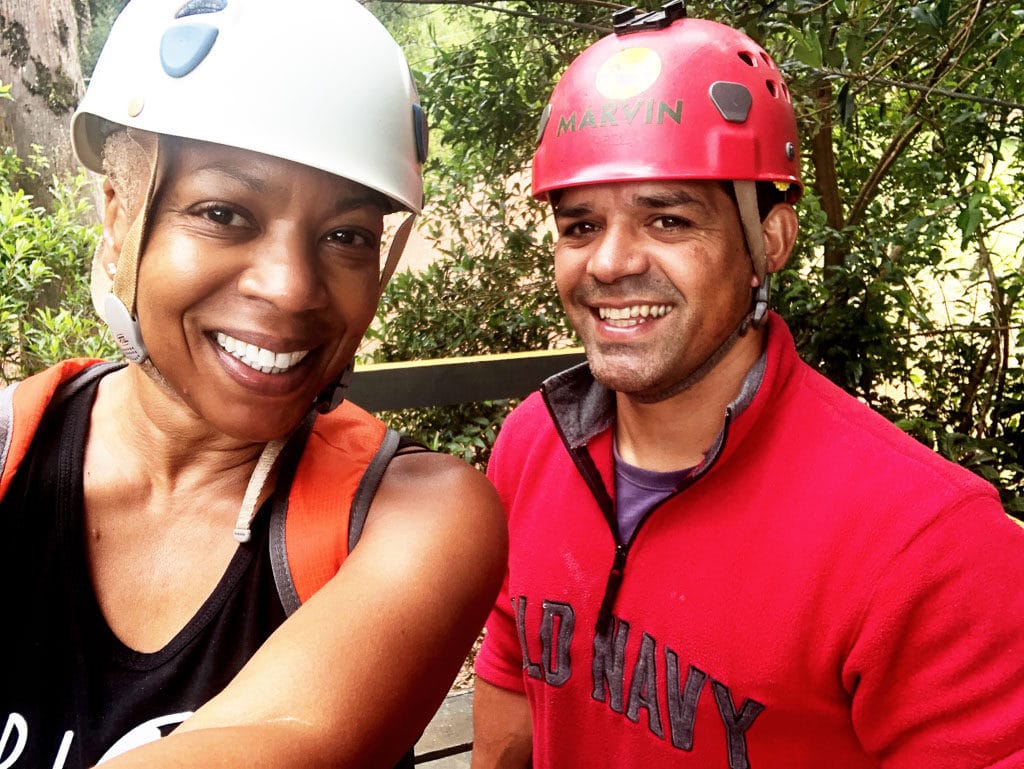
611 590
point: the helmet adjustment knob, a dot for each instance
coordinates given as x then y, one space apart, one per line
629 20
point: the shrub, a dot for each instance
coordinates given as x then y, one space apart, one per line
46 312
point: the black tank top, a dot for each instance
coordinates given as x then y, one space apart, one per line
72 694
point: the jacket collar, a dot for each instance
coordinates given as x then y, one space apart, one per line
582 408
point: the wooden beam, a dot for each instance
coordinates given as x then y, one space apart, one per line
448 381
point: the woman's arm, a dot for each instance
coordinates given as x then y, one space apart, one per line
353 677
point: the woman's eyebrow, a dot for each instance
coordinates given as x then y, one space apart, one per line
257 183
252 181
358 200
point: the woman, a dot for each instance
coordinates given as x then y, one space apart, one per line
166 517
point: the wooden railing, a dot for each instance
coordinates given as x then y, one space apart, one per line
448 740
448 381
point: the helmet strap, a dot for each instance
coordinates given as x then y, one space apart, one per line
332 395
398 243
762 300
701 371
120 304
750 219
257 482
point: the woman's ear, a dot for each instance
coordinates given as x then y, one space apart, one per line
780 228
116 221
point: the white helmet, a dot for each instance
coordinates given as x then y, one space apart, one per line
318 82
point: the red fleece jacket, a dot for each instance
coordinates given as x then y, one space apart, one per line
829 594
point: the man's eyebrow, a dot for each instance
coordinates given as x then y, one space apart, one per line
668 199
573 212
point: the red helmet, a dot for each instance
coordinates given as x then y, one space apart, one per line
666 97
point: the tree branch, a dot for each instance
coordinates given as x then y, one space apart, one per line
487 6
900 142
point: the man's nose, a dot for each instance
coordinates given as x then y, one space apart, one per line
618 253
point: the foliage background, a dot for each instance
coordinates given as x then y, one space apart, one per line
907 285
906 288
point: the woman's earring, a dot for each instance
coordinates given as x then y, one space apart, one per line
111 269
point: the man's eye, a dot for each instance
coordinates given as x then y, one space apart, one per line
670 222
576 229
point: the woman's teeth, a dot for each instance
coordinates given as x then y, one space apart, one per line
258 358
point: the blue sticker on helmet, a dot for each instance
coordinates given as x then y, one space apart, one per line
184 46
193 7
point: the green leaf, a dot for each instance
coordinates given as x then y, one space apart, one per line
807 49
855 51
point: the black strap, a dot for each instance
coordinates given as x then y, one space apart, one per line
369 484
83 379
288 462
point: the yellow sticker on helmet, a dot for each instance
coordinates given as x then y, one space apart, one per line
628 73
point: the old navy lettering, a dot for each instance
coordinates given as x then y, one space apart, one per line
629 685
621 113
556 629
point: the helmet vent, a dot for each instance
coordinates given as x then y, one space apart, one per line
195 7
771 88
767 60
183 47
747 59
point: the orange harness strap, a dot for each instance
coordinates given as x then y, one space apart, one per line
22 406
335 470
319 515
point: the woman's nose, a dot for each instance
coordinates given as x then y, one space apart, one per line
284 271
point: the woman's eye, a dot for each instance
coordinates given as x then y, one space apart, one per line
224 216
356 238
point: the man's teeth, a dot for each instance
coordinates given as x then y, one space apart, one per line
267 361
635 314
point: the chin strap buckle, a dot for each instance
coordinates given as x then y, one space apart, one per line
125 329
334 394
758 314
762 299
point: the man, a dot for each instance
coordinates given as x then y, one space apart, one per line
219 561
718 558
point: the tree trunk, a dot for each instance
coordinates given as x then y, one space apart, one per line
826 181
39 42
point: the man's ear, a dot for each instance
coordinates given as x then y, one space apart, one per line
116 221
780 228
